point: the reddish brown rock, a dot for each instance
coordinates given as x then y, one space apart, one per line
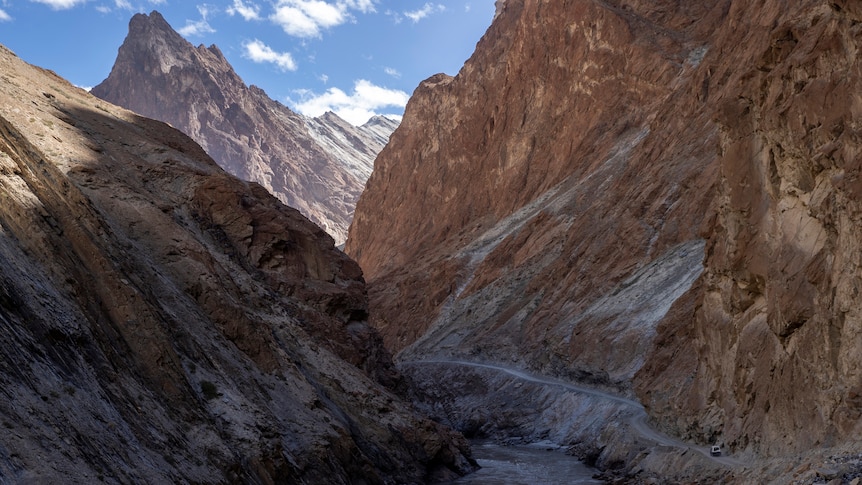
657 197
165 322
777 322
520 194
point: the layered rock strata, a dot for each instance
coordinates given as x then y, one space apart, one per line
165 322
316 165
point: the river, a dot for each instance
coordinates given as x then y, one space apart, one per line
537 464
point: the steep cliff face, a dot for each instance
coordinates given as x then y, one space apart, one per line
163 321
542 199
777 321
318 166
657 197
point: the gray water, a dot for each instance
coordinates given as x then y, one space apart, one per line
537 464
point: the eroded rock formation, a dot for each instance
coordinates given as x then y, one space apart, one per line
318 166
777 321
654 197
165 322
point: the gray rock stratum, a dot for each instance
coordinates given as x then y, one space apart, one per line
165 322
316 165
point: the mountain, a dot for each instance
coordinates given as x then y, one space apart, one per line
316 165
655 199
355 148
541 190
164 322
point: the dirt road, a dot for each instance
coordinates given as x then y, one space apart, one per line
639 421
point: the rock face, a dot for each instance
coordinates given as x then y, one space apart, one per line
777 320
165 322
549 197
652 197
318 166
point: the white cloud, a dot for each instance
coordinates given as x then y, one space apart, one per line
392 72
199 27
4 17
60 4
428 9
308 18
396 17
134 6
364 6
257 51
249 11
323 78
367 100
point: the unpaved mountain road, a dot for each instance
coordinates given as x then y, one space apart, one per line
638 419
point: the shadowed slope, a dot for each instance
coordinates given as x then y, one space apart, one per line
166 322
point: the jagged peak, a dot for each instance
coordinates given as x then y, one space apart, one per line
156 16
216 51
381 120
330 115
154 21
154 46
436 79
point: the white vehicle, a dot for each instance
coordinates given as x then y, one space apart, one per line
715 450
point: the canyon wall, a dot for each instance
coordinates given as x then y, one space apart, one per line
771 343
316 165
165 322
545 203
657 198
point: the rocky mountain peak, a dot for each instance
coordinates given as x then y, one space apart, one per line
381 127
141 22
161 75
152 40
498 7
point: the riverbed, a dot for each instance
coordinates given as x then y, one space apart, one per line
536 464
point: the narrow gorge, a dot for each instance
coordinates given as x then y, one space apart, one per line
626 230
651 199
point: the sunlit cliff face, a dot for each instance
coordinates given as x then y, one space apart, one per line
581 152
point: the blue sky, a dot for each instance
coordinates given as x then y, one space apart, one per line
354 57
